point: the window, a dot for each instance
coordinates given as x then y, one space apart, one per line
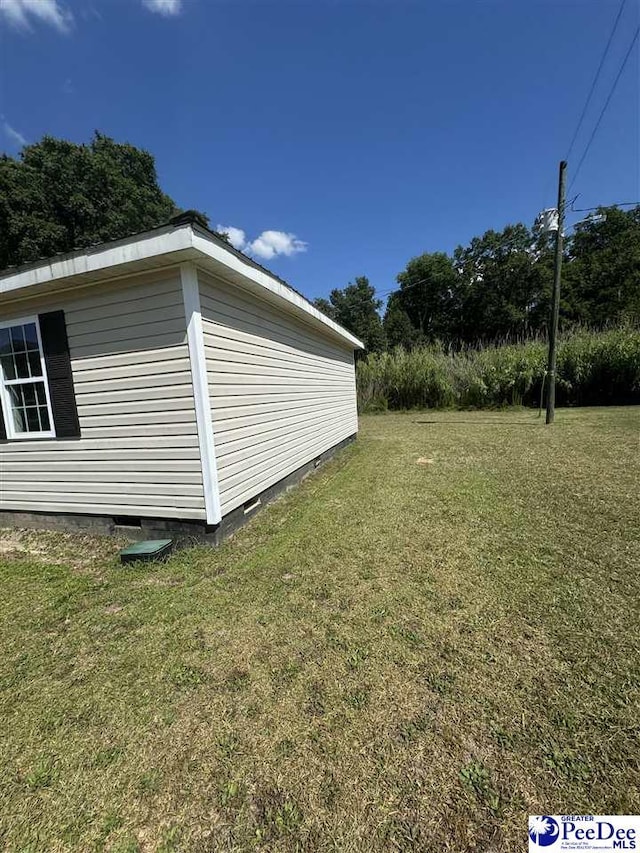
24 390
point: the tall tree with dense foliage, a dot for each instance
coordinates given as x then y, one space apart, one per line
498 287
326 307
504 285
398 328
356 308
603 267
58 195
428 295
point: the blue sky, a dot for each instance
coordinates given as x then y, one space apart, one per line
360 133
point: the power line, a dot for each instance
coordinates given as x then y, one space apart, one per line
613 204
606 104
595 79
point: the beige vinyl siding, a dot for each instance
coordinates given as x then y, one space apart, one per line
138 452
282 392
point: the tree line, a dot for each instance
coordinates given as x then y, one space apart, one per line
59 195
498 288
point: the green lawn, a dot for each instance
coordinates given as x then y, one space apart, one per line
433 637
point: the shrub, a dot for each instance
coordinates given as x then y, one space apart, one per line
594 368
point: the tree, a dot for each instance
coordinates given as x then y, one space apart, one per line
326 307
428 295
499 286
398 328
58 196
602 272
505 280
356 308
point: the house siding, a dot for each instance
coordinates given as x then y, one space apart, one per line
138 453
281 391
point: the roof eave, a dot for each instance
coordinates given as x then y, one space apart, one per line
267 284
175 244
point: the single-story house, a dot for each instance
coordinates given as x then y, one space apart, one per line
162 382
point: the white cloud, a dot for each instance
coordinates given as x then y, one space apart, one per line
167 8
267 245
16 137
237 237
272 243
21 13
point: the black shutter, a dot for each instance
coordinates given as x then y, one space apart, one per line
55 346
3 429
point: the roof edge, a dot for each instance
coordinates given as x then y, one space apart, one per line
185 233
213 247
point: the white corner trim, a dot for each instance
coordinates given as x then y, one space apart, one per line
204 423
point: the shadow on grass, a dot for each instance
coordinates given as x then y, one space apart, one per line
475 422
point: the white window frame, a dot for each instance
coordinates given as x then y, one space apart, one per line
7 410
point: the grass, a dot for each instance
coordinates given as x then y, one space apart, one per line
433 637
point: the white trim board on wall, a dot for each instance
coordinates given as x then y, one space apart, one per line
195 340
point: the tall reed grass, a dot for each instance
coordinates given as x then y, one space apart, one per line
594 368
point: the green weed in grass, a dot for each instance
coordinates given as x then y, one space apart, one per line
477 778
41 775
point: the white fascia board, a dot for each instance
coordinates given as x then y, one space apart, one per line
263 279
199 381
141 247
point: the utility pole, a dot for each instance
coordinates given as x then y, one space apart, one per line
555 302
